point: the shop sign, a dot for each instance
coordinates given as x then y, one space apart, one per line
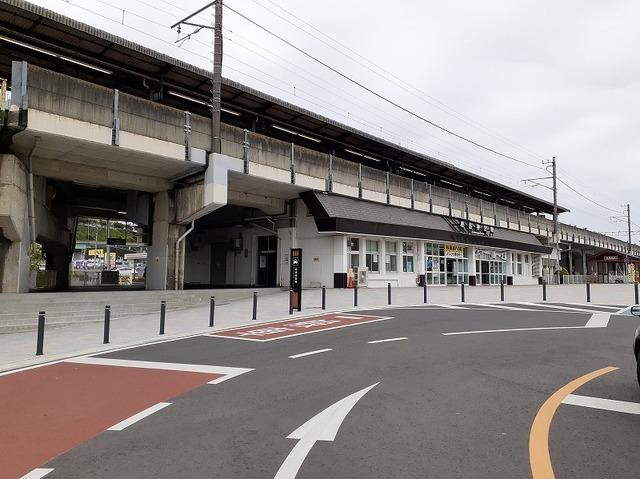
460 225
611 258
96 252
453 250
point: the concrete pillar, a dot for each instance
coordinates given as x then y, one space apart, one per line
471 261
584 262
14 226
161 253
419 260
288 240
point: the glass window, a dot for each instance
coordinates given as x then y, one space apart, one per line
407 257
353 248
391 256
372 256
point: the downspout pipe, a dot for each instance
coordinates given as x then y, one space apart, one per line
177 261
32 202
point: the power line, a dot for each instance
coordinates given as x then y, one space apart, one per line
378 95
586 197
400 82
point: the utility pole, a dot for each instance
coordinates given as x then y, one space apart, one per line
216 76
554 188
629 227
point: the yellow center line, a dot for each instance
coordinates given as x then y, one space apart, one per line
539 457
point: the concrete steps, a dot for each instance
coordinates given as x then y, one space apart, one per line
20 312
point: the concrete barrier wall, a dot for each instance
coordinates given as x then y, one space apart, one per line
151 119
312 163
66 96
374 180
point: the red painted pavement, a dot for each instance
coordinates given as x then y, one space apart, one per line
296 327
49 410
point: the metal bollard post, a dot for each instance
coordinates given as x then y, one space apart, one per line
355 296
290 301
424 292
588 292
388 293
502 291
255 306
324 297
107 324
637 296
212 311
462 292
544 291
163 313
40 341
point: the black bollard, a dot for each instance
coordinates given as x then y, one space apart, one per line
355 296
637 296
588 292
212 311
544 291
324 297
107 324
424 290
388 293
255 306
502 291
462 292
40 341
163 313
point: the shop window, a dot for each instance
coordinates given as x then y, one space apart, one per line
407 257
373 256
391 256
519 265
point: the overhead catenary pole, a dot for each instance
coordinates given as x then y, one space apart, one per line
629 227
216 74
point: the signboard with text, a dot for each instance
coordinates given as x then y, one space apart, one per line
295 279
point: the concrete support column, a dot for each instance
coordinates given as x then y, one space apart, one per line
14 226
419 265
509 265
471 261
288 240
161 253
340 258
584 262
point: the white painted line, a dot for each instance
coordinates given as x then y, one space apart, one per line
322 427
386 340
624 310
500 306
138 417
302 355
563 308
347 316
448 306
601 306
601 403
457 333
226 372
37 473
598 320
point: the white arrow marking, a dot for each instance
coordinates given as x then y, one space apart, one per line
321 427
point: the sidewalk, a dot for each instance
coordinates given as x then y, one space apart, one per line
18 349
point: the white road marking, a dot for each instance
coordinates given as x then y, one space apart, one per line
601 403
37 473
511 330
347 316
138 417
448 306
226 372
386 340
598 320
302 355
321 427
624 310
500 306
601 306
564 308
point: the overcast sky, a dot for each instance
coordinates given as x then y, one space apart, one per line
531 79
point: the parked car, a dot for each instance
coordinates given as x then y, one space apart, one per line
635 310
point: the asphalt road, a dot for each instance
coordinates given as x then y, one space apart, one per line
439 406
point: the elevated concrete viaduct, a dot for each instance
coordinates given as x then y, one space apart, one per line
106 115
